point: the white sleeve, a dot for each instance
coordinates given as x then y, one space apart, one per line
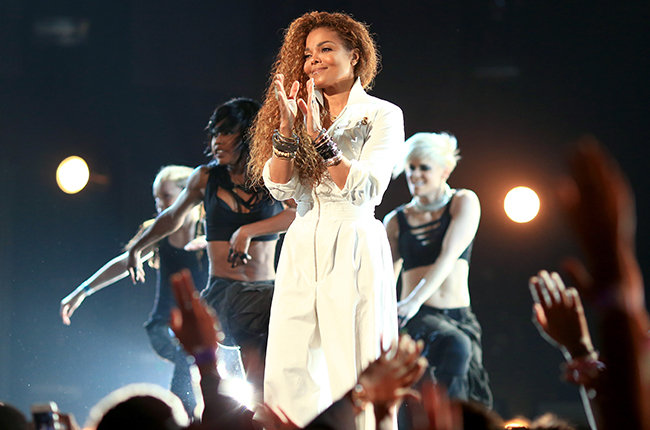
281 192
370 174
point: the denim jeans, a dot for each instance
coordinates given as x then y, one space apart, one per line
452 340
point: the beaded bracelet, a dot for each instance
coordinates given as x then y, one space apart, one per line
285 155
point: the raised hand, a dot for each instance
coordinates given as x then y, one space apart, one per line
310 111
559 315
600 206
286 104
435 411
389 378
194 324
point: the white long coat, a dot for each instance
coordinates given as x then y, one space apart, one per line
334 300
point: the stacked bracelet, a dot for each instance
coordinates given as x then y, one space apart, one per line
285 147
327 148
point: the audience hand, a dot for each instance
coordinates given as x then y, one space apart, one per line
194 324
434 410
600 206
559 315
389 378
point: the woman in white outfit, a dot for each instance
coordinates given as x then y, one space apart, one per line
334 302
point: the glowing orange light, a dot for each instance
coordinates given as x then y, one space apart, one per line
516 423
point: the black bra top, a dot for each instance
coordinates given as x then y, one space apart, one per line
421 245
221 221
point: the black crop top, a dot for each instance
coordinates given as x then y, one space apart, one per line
420 245
221 221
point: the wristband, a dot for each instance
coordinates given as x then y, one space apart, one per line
205 356
87 289
584 370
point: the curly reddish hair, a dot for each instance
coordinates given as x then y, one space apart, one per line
289 62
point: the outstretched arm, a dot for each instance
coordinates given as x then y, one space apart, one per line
465 216
108 274
170 220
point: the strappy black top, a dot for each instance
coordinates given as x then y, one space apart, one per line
221 221
420 245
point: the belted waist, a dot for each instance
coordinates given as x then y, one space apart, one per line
334 210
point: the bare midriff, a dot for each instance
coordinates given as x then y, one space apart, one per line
259 268
453 293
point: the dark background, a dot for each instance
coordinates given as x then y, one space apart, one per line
131 86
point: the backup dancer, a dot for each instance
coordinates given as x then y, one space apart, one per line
167 256
242 226
431 240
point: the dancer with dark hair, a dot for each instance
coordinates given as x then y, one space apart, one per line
431 239
242 226
334 301
167 256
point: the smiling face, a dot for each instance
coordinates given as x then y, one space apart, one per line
165 194
425 177
328 60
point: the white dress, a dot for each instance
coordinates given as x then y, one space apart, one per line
334 301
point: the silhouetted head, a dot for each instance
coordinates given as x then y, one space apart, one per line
11 418
139 406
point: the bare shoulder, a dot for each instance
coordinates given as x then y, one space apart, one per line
465 200
198 179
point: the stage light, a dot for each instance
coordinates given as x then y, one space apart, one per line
521 204
72 174
233 377
517 423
